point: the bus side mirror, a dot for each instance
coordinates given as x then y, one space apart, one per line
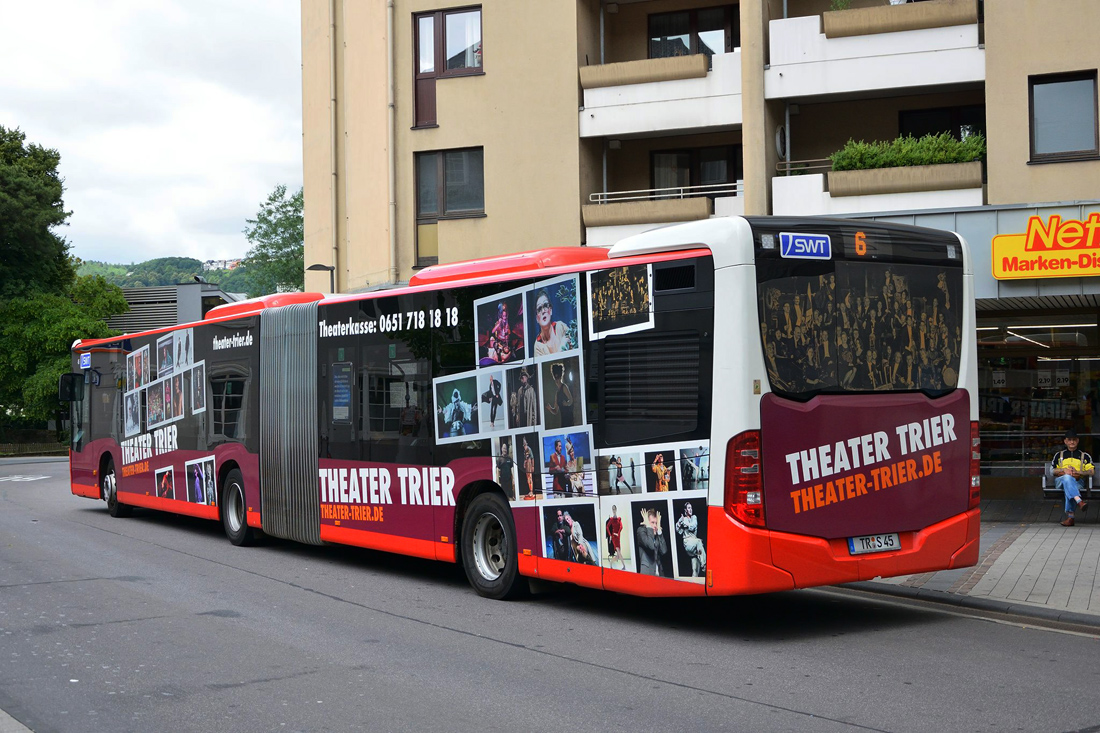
70 388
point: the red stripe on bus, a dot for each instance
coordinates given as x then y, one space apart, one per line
563 571
814 561
90 491
623 581
202 511
388 543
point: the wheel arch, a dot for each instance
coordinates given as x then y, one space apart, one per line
465 497
223 472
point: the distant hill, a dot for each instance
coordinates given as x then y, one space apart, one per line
165 271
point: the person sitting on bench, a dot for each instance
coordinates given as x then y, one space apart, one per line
1070 467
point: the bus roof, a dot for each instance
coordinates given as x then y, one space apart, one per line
539 259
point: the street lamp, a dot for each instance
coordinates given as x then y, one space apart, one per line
331 274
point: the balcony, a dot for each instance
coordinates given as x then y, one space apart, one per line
663 95
891 47
616 214
912 188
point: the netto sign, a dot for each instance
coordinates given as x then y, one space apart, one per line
1054 248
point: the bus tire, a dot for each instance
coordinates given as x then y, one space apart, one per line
234 510
108 488
489 548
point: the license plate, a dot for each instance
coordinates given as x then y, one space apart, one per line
874 543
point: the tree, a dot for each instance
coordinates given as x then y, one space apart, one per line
36 334
276 263
44 307
33 258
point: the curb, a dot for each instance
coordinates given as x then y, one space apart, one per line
984 604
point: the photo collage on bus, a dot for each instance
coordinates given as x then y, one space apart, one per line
640 508
173 385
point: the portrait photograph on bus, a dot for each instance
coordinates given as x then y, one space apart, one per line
457 408
524 403
570 533
498 323
166 355
552 317
652 538
620 472
562 390
569 467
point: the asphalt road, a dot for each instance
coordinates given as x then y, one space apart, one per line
157 623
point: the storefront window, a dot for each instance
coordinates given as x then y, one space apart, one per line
1038 377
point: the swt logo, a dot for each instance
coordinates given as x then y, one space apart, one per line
805 246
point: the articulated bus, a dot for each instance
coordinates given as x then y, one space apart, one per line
737 405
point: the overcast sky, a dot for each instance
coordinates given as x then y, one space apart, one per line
174 118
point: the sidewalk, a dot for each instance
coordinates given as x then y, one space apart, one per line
1029 565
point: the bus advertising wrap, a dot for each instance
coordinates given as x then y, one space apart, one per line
897 465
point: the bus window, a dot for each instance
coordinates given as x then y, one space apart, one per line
854 325
227 399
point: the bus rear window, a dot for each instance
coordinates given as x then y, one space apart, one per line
859 326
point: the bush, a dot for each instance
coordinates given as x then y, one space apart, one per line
905 151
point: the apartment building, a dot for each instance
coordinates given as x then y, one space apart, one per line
436 132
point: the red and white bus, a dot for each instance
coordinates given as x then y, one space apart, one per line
736 405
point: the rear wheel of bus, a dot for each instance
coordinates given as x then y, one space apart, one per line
234 510
489 548
108 488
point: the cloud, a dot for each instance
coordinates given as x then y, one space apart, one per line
174 120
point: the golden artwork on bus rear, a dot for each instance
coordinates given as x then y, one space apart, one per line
620 300
862 328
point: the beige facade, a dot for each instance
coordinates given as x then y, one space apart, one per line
1026 38
526 111
522 111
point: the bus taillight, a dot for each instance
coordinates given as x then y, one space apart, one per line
975 467
744 487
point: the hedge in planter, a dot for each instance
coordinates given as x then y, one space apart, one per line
908 151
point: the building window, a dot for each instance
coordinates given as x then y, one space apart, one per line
711 166
1063 116
961 122
448 43
450 184
702 30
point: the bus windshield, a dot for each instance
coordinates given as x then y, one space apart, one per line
888 320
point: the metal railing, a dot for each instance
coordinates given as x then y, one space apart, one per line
676 192
796 167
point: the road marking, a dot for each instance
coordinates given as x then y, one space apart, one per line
22 478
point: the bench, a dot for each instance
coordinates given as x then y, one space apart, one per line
1051 490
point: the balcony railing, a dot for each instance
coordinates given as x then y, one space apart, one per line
712 190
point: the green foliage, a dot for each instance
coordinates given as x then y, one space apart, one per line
906 151
275 263
33 258
165 271
36 333
840 4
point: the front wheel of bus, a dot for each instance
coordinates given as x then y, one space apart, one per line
108 488
489 548
234 516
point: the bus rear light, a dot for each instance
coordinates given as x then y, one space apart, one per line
975 467
744 485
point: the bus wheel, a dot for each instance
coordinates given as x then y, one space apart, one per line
233 510
108 488
489 548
